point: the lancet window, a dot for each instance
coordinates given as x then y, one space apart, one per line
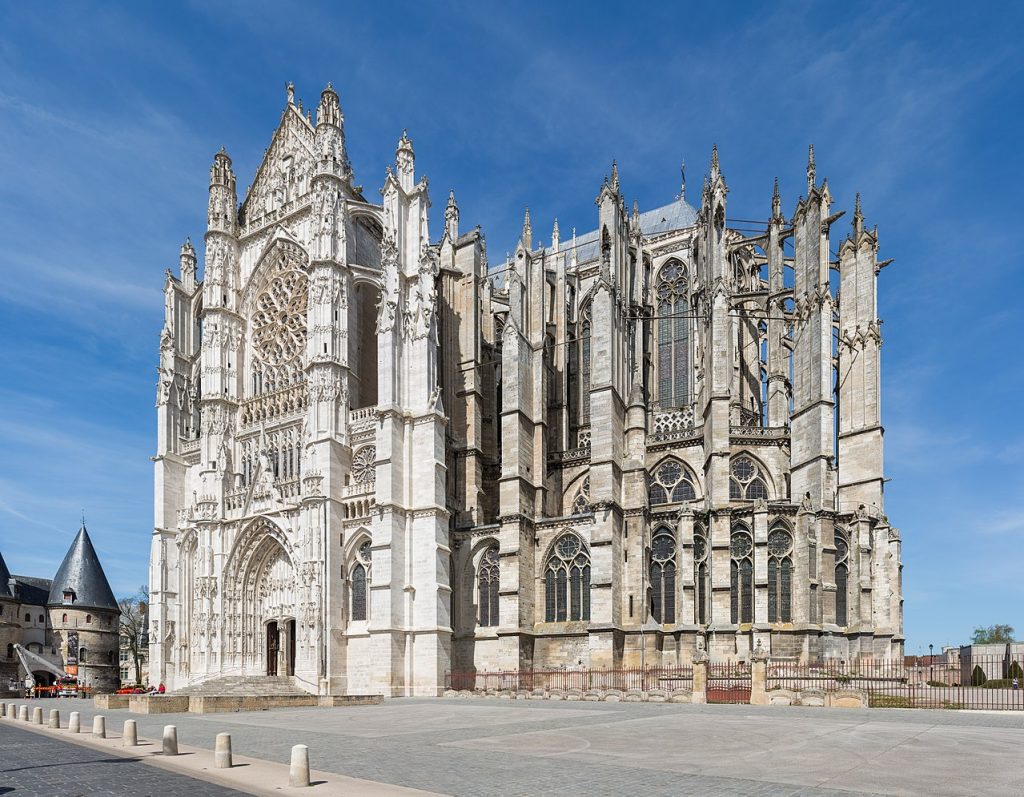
780 576
579 368
673 330
663 576
487 584
359 581
842 580
741 588
670 483
701 577
746 481
567 581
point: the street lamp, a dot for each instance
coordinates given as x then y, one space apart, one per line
931 663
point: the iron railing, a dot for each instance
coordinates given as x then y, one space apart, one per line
583 679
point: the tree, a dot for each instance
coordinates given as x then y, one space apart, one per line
133 626
993 635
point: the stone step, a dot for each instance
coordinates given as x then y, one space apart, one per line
243 686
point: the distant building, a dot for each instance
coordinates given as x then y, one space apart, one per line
379 458
70 621
994 660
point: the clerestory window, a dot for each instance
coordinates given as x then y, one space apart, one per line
673 331
670 483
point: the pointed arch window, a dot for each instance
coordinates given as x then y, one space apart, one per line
780 576
581 503
567 581
487 583
741 588
701 577
746 481
842 581
359 579
663 576
670 483
673 332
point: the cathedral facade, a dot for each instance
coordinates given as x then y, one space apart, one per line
381 459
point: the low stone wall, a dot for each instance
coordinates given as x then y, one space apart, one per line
158 704
843 698
217 704
337 701
111 701
593 695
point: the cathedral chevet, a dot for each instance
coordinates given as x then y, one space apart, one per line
382 458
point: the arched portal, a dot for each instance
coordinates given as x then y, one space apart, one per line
264 639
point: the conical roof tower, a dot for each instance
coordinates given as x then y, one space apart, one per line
82 575
5 579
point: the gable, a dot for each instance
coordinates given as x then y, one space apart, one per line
286 173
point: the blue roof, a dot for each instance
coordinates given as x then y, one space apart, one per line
676 215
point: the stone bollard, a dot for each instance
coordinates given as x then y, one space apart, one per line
222 751
12 711
23 713
3 709
130 735
298 770
54 718
99 727
37 715
75 722
170 740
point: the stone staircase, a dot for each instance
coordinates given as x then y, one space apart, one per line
244 686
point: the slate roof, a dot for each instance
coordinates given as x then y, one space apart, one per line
82 572
33 591
5 577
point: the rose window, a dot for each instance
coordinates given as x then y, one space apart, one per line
279 320
364 465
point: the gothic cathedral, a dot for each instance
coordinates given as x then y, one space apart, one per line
381 460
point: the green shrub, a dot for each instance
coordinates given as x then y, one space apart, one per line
937 683
978 677
998 683
1016 671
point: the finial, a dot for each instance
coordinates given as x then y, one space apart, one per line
858 217
776 201
682 180
714 160
615 175
554 231
526 221
810 168
291 93
83 518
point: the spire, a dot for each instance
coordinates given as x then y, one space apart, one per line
527 236
329 110
615 177
634 222
715 168
858 218
405 159
186 271
810 169
776 203
81 576
451 217
554 236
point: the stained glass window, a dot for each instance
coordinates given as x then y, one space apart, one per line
487 579
663 576
746 481
673 336
567 581
741 593
670 483
780 576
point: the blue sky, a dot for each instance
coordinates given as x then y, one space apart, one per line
109 117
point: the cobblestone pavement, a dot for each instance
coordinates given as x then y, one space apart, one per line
487 746
33 764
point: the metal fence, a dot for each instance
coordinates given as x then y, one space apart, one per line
986 682
729 682
642 678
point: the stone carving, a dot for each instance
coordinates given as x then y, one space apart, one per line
389 295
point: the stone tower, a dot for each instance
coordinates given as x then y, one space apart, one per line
84 614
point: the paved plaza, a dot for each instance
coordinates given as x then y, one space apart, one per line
32 765
485 746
